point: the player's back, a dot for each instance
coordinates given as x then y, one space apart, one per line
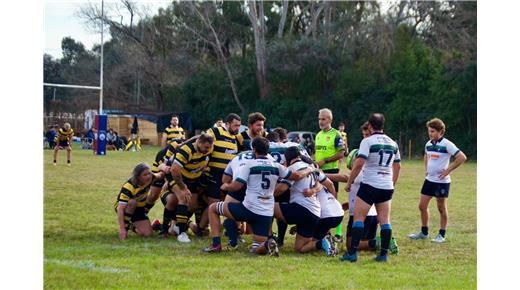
380 152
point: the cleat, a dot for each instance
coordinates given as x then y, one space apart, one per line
381 258
334 250
156 225
350 258
272 248
183 238
173 230
68 164
418 236
241 240
213 249
229 248
325 245
439 239
54 163
393 247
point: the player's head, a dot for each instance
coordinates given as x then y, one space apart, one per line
291 153
260 145
255 122
273 137
141 174
219 122
376 122
325 118
436 129
282 133
66 126
365 130
341 126
174 120
204 143
233 123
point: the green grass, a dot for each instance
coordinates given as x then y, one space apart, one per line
82 250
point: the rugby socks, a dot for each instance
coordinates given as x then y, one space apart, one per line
386 235
231 231
442 233
372 243
216 242
318 245
424 230
357 232
339 231
182 215
168 216
282 228
68 161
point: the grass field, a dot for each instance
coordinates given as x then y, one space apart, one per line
82 250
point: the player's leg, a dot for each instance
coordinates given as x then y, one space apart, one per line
383 213
142 226
281 225
216 210
360 213
369 242
427 192
69 151
56 149
182 213
442 206
170 201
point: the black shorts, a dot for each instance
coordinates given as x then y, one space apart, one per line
63 144
195 186
439 190
238 195
259 223
284 197
305 221
372 195
158 183
324 225
139 214
336 184
164 195
370 227
214 182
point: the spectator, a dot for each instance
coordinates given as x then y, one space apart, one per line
51 137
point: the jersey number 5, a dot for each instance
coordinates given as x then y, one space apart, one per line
266 183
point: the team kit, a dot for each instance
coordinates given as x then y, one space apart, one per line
237 184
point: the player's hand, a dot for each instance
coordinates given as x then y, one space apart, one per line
224 187
345 206
308 192
123 234
320 163
445 173
348 187
186 195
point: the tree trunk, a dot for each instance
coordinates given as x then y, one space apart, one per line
256 16
281 25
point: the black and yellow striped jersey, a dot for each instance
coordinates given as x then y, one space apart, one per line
176 135
225 148
162 156
65 135
192 162
129 191
245 140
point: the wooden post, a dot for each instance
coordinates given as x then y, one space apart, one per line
410 149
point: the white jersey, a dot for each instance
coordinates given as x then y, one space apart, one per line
261 176
277 150
330 206
236 162
439 154
354 188
298 187
380 152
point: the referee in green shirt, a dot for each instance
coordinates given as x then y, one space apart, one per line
329 150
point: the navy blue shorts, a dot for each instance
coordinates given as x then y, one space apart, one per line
439 190
324 225
284 197
214 182
370 227
259 223
372 195
238 195
63 144
305 221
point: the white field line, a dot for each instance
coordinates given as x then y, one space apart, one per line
85 265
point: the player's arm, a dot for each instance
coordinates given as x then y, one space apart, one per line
235 185
281 187
175 170
163 140
313 190
460 158
337 177
330 187
425 163
356 169
121 220
396 168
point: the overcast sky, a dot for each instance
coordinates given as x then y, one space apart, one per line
60 21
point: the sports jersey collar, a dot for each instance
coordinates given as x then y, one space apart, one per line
378 133
260 157
437 142
331 128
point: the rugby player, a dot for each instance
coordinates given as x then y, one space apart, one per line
173 133
255 127
64 141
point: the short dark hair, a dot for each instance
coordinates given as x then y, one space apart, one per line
254 117
364 127
341 124
260 145
175 116
291 153
231 117
273 136
436 124
377 121
205 138
281 132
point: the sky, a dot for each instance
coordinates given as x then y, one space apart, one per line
60 21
